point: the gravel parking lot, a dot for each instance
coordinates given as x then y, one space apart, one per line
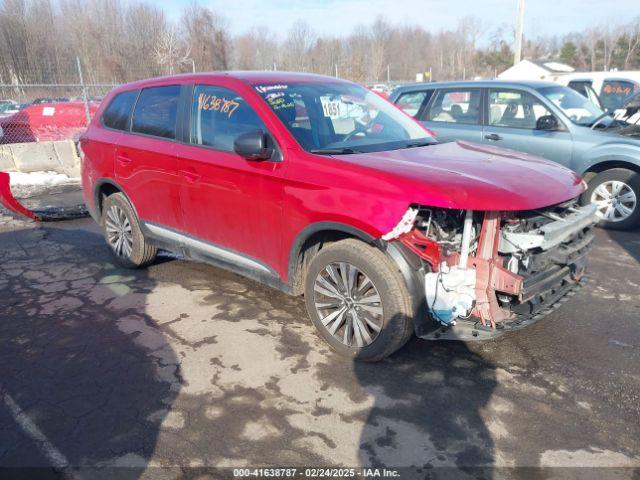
184 365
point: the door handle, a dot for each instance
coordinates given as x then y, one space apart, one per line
191 175
123 159
493 137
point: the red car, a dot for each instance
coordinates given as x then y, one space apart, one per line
46 122
321 188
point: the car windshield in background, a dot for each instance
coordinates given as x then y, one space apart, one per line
579 109
341 118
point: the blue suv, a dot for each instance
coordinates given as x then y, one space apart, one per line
544 119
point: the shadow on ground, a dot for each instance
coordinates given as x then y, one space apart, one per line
442 388
77 390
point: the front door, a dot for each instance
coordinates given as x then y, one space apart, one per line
455 114
232 204
512 123
145 160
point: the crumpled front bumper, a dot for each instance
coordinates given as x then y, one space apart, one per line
506 301
550 235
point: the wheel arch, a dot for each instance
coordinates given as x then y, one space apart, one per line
104 188
309 242
603 165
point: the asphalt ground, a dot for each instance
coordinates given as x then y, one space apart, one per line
181 368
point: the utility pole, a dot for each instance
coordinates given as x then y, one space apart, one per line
519 22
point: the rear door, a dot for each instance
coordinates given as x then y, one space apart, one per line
512 123
146 166
455 114
232 204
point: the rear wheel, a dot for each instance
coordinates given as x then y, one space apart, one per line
122 232
616 193
358 301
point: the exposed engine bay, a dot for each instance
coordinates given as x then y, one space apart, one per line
489 272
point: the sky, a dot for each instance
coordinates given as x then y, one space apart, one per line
339 17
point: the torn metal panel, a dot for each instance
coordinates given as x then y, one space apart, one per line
550 235
405 225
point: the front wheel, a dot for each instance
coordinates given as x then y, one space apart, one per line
616 193
358 301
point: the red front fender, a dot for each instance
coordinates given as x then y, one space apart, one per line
8 200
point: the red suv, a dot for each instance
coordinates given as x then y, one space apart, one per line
319 187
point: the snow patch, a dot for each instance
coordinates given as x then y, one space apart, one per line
24 185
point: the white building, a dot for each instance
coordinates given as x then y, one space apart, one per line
536 70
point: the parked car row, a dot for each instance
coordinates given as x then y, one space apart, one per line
320 187
545 119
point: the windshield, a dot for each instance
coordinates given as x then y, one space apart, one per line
340 117
579 109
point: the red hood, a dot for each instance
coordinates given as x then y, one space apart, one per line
470 176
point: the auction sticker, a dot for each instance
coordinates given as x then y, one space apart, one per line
331 107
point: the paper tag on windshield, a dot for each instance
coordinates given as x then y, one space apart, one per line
48 111
331 108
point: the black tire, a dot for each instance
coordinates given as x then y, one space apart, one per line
396 319
630 178
142 253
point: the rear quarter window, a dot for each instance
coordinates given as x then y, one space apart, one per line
156 111
117 114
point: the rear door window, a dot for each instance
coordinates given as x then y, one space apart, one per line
118 112
411 102
456 106
156 111
219 116
614 93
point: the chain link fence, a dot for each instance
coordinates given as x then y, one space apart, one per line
48 112
43 100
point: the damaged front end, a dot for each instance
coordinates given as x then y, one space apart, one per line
487 273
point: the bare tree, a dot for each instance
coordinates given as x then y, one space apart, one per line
171 52
123 40
255 50
297 46
206 34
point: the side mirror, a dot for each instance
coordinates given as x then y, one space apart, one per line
547 122
254 145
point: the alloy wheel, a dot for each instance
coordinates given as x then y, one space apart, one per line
348 304
119 233
615 200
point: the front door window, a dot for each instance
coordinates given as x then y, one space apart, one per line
515 109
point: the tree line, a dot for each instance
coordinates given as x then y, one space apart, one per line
119 41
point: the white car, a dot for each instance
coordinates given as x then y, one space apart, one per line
613 88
